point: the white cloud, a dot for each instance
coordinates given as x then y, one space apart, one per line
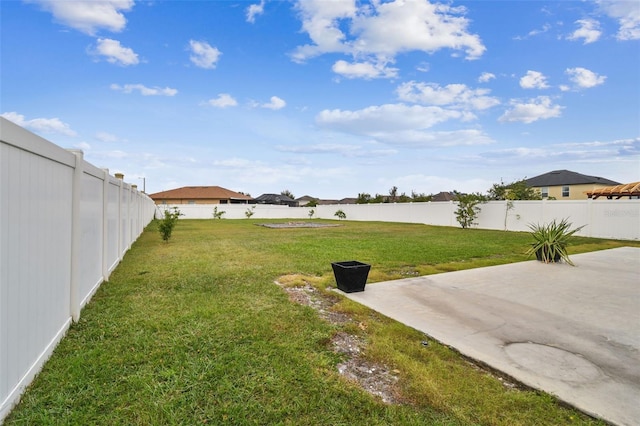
486 77
455 95
366 70
400 124
44 125
589 31
89 16
320 19
544 29
275 103
628 15
339 149
107 137
584 78
423 67
432 139
145 91
84 146
255 10
115 53
534 80
376 32
535 109
388 117
222 101
203 55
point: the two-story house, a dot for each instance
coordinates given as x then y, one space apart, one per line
567 185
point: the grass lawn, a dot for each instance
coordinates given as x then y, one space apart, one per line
195 331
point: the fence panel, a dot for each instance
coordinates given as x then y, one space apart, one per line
57 229
603 218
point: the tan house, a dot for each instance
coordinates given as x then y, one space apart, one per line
567 185
200 195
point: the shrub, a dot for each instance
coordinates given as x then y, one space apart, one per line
217 214
340 214
166 224
248 213
468 209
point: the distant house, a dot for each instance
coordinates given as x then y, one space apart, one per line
444 196
303 201
200 195
277 199
567 185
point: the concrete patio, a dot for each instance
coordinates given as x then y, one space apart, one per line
573 332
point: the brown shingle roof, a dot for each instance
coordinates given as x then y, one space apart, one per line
199 193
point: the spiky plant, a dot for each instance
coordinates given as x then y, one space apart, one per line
551 241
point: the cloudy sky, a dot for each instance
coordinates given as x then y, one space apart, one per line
329 98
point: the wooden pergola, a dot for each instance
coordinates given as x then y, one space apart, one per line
625 190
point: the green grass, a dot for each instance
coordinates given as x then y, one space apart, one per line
195 331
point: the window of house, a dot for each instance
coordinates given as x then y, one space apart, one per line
191 202
565 191
544 191
164 202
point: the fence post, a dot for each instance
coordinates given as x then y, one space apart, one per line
76 235
120 178
105 225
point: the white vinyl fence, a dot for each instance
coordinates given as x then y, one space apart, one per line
618 219
64 226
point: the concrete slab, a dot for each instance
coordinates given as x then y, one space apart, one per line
573 332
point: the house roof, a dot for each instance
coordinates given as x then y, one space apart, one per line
566 177
278 198
199 193
444 196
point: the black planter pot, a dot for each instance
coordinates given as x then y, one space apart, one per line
351 276
556 257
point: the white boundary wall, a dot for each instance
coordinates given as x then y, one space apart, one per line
617 219
64 227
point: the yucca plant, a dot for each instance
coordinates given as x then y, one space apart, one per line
551 241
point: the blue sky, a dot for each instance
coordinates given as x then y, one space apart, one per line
329 98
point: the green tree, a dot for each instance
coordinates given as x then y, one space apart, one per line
340 214
288 193
393 194
468 208
420 197
517 190
379 198
363 198
312 203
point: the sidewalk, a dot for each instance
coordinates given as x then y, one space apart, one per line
573 332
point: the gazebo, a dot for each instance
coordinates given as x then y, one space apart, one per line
631 190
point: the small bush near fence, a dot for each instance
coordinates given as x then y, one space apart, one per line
167 223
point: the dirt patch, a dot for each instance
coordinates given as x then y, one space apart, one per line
374 378
297 225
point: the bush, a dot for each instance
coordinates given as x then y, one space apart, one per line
248 213
468 209
217 214
166 224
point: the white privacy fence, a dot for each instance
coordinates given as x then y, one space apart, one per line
618 219
64 226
